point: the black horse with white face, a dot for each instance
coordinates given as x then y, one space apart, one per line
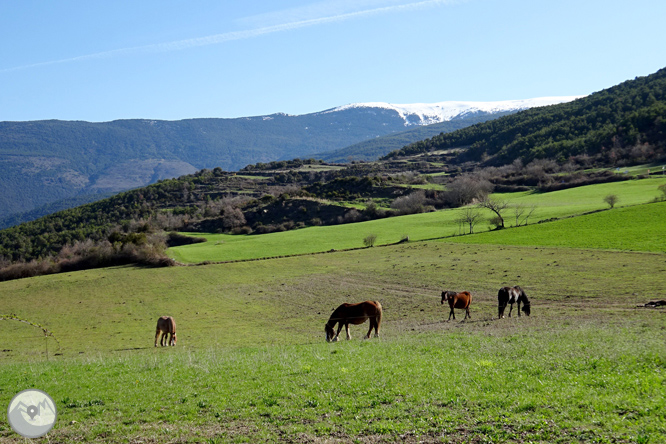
511 295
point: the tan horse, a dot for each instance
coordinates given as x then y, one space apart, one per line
166 326
355 314
457 300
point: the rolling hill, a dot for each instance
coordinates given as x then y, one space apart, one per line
44 162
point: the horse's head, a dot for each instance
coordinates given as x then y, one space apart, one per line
173 340
526 309
330 332
446 295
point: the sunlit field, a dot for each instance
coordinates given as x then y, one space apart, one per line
574 201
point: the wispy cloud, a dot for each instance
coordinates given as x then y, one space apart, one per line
254 32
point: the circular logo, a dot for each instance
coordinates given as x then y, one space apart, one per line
32 413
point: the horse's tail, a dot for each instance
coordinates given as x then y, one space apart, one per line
379 313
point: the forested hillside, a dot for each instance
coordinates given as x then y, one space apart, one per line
47 162
617 126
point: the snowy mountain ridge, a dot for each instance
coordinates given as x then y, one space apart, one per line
429 113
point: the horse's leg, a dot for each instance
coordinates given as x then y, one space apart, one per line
347 330
518 307
467 315
372 322
377 327
500 311
157 334
510 308
340 325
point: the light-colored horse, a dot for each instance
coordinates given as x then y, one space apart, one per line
166 326
355 314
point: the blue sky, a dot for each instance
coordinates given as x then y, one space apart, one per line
176 59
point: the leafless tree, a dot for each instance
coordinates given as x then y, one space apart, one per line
469 216
531 210
410 204
466 189
497 206
518 211
521 210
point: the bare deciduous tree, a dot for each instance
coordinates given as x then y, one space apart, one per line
531 210
522 209
497 206
469 216
466 189
518 211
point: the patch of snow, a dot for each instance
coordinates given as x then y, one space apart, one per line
429 113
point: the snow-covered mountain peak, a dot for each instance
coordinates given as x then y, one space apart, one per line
429 113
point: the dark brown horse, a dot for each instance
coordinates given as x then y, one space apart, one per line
457 300
355 314
166 326
511 295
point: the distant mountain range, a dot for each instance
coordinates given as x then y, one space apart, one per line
49 165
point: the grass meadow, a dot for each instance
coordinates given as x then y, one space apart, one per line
558 204
251 364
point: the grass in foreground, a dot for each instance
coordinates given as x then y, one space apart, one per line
578 383
251 363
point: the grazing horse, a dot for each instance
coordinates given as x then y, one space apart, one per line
355 314
457 300
166 326
511 295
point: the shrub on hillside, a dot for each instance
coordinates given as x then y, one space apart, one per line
410 204
88 254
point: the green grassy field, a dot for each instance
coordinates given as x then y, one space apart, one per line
251 364
637 228
221 247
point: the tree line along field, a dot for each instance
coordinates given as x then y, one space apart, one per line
251 364
556 204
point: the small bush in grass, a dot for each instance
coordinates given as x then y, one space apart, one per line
370 240
611 200
662 188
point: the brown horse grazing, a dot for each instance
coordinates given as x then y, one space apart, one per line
355 314
457 300
166 326
511 295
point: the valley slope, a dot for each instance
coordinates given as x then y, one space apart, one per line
43 162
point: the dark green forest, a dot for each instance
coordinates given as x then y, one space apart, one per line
617 126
